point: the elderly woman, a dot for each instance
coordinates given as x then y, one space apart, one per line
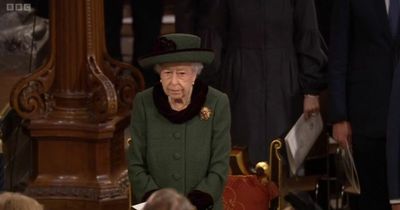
180 127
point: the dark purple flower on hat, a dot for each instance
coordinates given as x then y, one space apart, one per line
164 45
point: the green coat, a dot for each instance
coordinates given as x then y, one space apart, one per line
190 156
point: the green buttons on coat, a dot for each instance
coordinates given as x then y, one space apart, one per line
176 176
177 156
177 135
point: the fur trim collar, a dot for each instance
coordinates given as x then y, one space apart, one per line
198 98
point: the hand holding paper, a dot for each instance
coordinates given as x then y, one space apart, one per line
301 138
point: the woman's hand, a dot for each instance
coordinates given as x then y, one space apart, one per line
310 105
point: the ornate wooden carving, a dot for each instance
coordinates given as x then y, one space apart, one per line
127 82
77 106
101 89
30 97
103 99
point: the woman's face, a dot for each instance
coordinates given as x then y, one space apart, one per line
177 79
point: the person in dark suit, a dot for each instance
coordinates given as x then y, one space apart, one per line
147 20
360 74
393 141
393 131
113 24
146 26
180 127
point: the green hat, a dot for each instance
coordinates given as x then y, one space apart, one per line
177 48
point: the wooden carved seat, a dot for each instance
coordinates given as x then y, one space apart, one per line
286 183
245 190
273 175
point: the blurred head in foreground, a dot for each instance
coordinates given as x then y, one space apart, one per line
17 201
168 199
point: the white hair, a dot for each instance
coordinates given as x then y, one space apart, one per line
197 67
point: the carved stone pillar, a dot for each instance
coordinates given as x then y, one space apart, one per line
77 107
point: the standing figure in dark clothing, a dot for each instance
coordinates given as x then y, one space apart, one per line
324 10
393 128
146 26
147 19
393 142
113 24
361 58
200 17
271 68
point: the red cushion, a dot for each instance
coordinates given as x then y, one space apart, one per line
245 192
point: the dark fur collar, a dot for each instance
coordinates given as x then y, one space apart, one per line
197 101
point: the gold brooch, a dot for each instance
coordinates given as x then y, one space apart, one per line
205 113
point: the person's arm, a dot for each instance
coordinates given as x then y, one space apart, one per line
212 185
307 41
338 59
337 70
142 182
311 58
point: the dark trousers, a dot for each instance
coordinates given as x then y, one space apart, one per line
370 159
146 15
113 24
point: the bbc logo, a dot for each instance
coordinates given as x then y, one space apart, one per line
18 7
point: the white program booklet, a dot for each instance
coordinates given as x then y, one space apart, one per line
139 206
301 138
